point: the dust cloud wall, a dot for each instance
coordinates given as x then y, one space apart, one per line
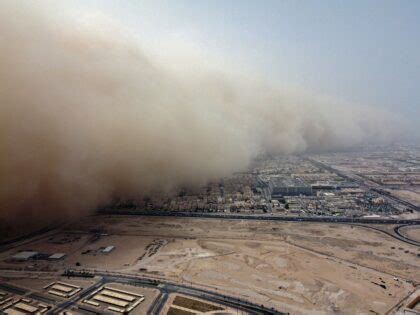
86 116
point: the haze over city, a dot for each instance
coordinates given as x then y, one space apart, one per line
91 110
184 157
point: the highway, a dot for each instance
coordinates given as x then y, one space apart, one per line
361 183
404 202
339 220
406 239
165 287
397 235
266 217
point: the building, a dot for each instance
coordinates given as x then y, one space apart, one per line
57 256
290 187
25 255
108 249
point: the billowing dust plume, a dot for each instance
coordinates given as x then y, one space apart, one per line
86 116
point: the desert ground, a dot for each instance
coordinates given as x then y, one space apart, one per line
411 232
296 267
408 195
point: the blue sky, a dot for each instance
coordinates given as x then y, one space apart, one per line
366 52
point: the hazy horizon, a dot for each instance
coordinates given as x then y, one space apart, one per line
365 52
93 106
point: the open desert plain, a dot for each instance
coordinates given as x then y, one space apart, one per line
291 267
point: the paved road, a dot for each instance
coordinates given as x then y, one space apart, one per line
351 221
340 220
397 235
159 303
12 289
363 184
166 288
404 202
74 299
266 217
403 237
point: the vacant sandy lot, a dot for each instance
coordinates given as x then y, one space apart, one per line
412 232
295 267
408 195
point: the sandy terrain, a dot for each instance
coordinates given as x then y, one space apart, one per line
172 305
302 268
407 195
37 285
411 232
